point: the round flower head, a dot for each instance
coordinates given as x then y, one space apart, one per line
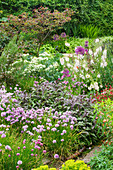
80 50
56 156
19 162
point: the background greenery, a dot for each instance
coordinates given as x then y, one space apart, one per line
88 13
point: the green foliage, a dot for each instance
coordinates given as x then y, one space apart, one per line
104 116
9 158
104 160
94 12
107 73
89 31
9 55
4 39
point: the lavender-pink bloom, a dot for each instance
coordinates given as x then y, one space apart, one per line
18 154
56 156
19 162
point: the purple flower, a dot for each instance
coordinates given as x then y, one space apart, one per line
32 154
56 156
44 151
24 147
18 154
63 34
62 140
17 167
64 131
53 129
56 37
86 42
54 141
7 147
24 141
79 50
9 155
3 135
86 45
19 162
18 147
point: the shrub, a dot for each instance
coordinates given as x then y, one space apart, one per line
42 22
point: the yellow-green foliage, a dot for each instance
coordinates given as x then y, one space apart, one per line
72 165
45 167
69 165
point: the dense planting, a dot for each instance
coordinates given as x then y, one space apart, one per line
56 96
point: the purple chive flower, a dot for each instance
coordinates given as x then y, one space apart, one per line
7 147
18 147
53 129
19 162
35 154
9 155
54 141
32 154
3 135
0 150
64 131
36 82
44 151
32 150
18 154
17 166
24 141
57 125
24 147
80 50
56 156
62 140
